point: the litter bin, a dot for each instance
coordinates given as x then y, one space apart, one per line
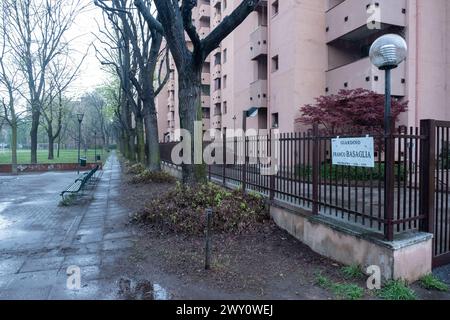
83 162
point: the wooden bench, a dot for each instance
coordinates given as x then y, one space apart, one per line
80 183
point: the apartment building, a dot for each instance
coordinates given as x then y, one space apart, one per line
288 52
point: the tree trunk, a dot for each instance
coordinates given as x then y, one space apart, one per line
132 146
190 109
59 146
34 135
140 139
14 146
51 140
151 131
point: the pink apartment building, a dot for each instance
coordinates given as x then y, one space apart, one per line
288 52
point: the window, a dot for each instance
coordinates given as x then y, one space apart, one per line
275 8
217 109
224 4
225 107
275 63
217 84
224 82
205 112
217 59
275 123
225 56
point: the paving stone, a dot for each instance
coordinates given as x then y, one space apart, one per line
40 264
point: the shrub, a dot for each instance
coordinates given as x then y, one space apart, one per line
397 290
137 168
346 291
147 176
430 282
182 209
339 173
353 272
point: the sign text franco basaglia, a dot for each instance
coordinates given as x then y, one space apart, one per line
353 152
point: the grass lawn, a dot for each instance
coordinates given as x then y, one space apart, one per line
65 156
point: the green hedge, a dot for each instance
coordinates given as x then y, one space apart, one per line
337 173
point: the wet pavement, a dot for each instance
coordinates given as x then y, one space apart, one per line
39 239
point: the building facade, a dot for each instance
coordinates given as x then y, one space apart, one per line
288 52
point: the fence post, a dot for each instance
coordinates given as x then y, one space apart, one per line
224 157
272 174
315 169
244 168
427 174
389 183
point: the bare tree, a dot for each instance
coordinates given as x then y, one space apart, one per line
62 72
174 20
116 57
146 52
36 34
9 85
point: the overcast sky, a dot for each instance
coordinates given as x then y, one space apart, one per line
91 74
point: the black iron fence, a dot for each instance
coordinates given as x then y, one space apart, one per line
303 175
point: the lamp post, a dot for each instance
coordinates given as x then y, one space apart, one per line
386 53
250 113
80 117
95 145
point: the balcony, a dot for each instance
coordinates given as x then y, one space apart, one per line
172 65
171 85
171 103
217 71
205 100
217 19
206 78
216 3
203 32
217 121
354 19
258 93
362 74
206 123
217 97
258 42
204 12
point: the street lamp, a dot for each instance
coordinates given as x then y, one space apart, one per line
95 145
386 53
250 113
80 117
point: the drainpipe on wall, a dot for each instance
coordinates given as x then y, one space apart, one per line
269 76
417 65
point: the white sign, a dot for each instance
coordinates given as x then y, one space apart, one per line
353 152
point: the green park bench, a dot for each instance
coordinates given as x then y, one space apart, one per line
80 183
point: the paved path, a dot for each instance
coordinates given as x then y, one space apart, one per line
39 239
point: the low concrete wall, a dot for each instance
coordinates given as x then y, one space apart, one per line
7 168
408 257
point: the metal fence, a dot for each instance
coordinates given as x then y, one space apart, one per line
306 178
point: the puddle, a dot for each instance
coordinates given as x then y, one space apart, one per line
141 290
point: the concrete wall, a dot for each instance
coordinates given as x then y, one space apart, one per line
408 258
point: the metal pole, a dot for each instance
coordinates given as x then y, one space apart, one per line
315 169
208 239
389 162
95 146
79 145
244 167
387 104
